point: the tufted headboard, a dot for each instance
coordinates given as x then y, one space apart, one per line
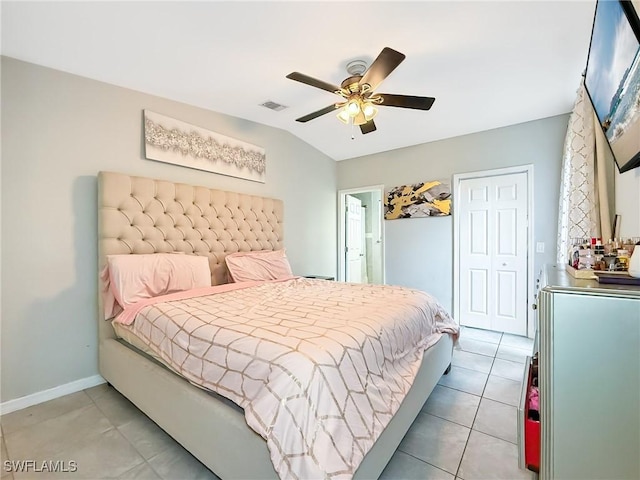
143 215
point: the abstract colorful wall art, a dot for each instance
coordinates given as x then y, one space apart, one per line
427 199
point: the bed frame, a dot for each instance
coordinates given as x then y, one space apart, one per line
141 215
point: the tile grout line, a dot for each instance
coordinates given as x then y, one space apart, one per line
430 464
468 393
447 419
476 415
489 373
144 460
493 436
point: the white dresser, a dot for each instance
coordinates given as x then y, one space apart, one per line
588 338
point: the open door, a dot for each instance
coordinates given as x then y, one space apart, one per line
361 235
354 235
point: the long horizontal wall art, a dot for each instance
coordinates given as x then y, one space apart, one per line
427 199
172 141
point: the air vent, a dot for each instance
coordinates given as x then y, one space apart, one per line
273 105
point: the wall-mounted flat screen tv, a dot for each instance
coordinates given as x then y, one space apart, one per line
612 78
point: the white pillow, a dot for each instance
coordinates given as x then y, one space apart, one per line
258 266
131 278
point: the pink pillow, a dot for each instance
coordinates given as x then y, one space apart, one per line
258 266
131 278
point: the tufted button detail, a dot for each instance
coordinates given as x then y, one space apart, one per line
222 222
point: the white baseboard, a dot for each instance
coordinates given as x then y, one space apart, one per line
46 395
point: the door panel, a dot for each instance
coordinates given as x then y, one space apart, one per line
478 291
506 232
506 299
478 232
479 194
506 192
493 231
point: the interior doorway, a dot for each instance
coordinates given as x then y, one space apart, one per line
361 235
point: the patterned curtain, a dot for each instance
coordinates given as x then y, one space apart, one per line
579 211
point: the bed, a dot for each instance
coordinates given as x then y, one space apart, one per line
145 216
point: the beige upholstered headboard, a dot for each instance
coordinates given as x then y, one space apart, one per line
143 215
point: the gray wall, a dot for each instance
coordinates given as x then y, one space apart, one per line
419 251
58 132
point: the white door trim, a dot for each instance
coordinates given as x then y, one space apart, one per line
341 230
457 178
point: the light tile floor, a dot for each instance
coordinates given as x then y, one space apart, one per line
466 430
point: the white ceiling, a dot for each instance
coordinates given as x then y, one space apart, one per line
488 64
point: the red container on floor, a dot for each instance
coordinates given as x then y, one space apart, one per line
532 444
531 436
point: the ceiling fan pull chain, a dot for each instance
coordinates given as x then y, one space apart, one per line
353 126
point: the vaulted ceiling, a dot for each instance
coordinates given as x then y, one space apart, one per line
488 64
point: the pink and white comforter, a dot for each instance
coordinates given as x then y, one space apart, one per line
319 367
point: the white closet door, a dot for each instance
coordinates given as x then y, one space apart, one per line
493 252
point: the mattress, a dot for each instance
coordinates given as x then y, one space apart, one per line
319 367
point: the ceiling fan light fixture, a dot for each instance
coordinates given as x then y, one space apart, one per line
344 116
369 111
353 107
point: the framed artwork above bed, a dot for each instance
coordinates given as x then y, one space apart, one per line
173 141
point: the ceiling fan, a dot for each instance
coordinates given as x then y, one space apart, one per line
357 91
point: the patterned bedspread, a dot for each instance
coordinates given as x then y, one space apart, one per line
319 367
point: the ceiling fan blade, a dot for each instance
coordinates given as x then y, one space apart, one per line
382 66
314 82
368 127
311 116
406 101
